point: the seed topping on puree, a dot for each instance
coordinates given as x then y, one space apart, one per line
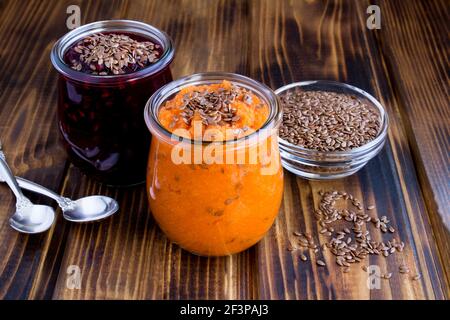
217 106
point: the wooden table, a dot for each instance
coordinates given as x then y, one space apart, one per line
404 64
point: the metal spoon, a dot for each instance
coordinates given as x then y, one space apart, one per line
29 217
86 209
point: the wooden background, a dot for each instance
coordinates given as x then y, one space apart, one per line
405 65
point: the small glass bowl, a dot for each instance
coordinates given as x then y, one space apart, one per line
320 165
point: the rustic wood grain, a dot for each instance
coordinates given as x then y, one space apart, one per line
414 42
276 42
30 141
328 40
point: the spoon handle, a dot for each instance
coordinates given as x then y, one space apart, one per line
7 175
34 187
63 202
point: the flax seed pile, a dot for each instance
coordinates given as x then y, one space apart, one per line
327 121
349 245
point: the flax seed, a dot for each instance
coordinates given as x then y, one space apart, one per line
327 121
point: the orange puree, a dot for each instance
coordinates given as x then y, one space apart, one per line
216 208
250 110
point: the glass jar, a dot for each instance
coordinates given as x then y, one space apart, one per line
215 208
100 117
320 165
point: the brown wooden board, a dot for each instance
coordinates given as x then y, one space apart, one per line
276 42
416 47
329 40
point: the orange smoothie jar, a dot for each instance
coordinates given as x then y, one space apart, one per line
214 178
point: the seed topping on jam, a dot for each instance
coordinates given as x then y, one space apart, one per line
112 54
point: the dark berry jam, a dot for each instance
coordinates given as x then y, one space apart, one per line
102 122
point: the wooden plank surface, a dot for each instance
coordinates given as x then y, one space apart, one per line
128 257
419 54
29 137
333 43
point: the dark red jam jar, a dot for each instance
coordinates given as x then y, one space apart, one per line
100 109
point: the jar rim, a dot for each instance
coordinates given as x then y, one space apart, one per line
131 26
168 90
339 85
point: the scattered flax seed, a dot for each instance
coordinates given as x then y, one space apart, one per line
417 277
351 244
320 263
303 242
291 247
355 244
370 207
403 269
388 275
